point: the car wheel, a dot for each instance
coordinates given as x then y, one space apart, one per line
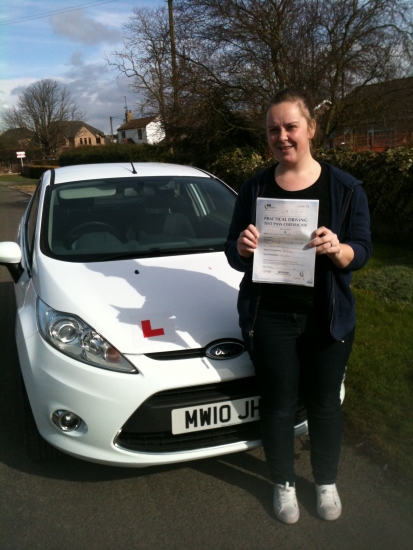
37 447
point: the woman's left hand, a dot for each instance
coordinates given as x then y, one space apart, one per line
326 242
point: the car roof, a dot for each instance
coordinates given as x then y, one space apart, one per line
82 172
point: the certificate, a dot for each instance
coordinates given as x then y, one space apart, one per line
283 254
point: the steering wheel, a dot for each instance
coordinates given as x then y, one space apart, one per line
82 228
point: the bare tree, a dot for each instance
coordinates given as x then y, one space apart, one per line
233 55
42 111
146 59
364 42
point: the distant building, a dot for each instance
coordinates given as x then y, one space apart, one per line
79 134
141 130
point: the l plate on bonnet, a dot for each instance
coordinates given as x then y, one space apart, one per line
227 349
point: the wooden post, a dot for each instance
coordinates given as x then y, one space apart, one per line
173 56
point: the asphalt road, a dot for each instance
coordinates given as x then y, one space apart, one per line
225 503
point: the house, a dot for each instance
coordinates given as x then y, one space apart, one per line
377 116
141 130
77 133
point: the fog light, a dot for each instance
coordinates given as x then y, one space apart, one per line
66 420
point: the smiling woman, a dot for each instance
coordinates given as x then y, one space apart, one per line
299 335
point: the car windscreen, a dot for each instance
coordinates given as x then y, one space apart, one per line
99 220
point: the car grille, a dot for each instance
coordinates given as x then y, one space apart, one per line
149 429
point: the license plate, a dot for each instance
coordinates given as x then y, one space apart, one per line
215 415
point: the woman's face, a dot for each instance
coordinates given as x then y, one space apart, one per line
289 133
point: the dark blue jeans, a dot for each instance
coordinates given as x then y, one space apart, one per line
293 355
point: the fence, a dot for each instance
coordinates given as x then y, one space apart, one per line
373 141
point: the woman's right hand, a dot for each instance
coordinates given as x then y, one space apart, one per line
248 241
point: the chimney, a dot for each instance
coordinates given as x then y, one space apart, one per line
129 116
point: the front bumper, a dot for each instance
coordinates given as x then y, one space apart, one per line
105 400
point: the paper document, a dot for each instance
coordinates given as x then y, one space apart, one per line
286 227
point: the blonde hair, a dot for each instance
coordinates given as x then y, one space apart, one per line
293 95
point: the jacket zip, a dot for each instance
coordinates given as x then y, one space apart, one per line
251 331
333 280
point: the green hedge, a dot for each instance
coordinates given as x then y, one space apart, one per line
388 181
387 177
49 162
35 172
115 153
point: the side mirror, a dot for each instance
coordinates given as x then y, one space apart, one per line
10 256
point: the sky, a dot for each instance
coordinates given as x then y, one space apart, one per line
67 41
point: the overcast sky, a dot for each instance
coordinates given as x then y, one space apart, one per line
66 40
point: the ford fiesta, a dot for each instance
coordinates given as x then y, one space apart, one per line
126 326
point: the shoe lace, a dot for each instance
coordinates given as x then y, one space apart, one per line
329 495
286 494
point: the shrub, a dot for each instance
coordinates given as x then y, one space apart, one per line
388 181
114 153
35 172
237 165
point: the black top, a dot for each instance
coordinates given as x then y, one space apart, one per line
289 297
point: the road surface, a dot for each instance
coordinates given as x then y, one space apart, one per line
223 503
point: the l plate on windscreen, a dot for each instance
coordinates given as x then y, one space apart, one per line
215 415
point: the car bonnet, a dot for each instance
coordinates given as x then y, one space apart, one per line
147 305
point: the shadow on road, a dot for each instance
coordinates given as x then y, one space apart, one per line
247 471
13 445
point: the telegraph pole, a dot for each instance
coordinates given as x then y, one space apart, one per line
173 56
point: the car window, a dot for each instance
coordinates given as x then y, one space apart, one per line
31 221
98 219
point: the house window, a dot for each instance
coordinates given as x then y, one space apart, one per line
81 141
123 134
139 134
90 141
97 141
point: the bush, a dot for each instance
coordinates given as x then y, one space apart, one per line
115 153
237 165
388 181
387 176
49 162
35 172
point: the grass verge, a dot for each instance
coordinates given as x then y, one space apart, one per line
379 385
15 181
16 178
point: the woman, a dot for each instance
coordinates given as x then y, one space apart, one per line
300 338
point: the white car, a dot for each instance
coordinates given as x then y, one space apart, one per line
127 326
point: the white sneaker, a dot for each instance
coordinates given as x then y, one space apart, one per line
285 503
328 502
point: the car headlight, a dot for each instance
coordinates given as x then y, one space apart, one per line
72 336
